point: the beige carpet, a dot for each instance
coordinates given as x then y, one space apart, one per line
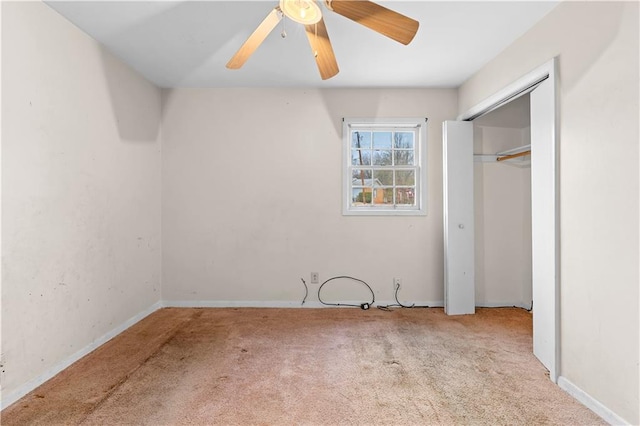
309 366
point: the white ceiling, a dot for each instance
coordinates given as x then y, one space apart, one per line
188 43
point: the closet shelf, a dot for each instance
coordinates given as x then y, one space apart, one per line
518 157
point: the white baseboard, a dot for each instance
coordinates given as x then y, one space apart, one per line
9 399
590 402
418 303
272 304
230 304
518 304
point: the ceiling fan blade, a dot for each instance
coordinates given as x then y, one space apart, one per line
378 18
255 40
322 49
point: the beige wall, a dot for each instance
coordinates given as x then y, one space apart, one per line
597 46
252 196
80 194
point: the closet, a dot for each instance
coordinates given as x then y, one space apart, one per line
502 206
510 203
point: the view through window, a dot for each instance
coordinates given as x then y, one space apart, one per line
384 171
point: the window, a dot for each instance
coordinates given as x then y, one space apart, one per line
384 166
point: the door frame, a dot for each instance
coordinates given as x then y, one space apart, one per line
522 86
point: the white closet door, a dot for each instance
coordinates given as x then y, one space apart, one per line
544 226
459 285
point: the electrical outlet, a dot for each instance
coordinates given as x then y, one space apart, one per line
315 278
396 283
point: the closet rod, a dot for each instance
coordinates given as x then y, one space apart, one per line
509 157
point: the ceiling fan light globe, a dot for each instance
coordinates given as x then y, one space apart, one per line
304 12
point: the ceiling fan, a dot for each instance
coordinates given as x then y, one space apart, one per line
307 12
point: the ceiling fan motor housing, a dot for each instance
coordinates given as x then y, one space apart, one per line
304 12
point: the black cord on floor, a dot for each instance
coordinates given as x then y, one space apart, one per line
362 305
398 304
306 291
507 307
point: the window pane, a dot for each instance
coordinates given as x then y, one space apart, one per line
382 158
385 177
359 174
361 196
403 140
405 177
361 139
405 196
360 157
383 196
403 158
382 140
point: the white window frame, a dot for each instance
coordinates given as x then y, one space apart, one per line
419 124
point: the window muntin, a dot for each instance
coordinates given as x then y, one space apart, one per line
384 171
